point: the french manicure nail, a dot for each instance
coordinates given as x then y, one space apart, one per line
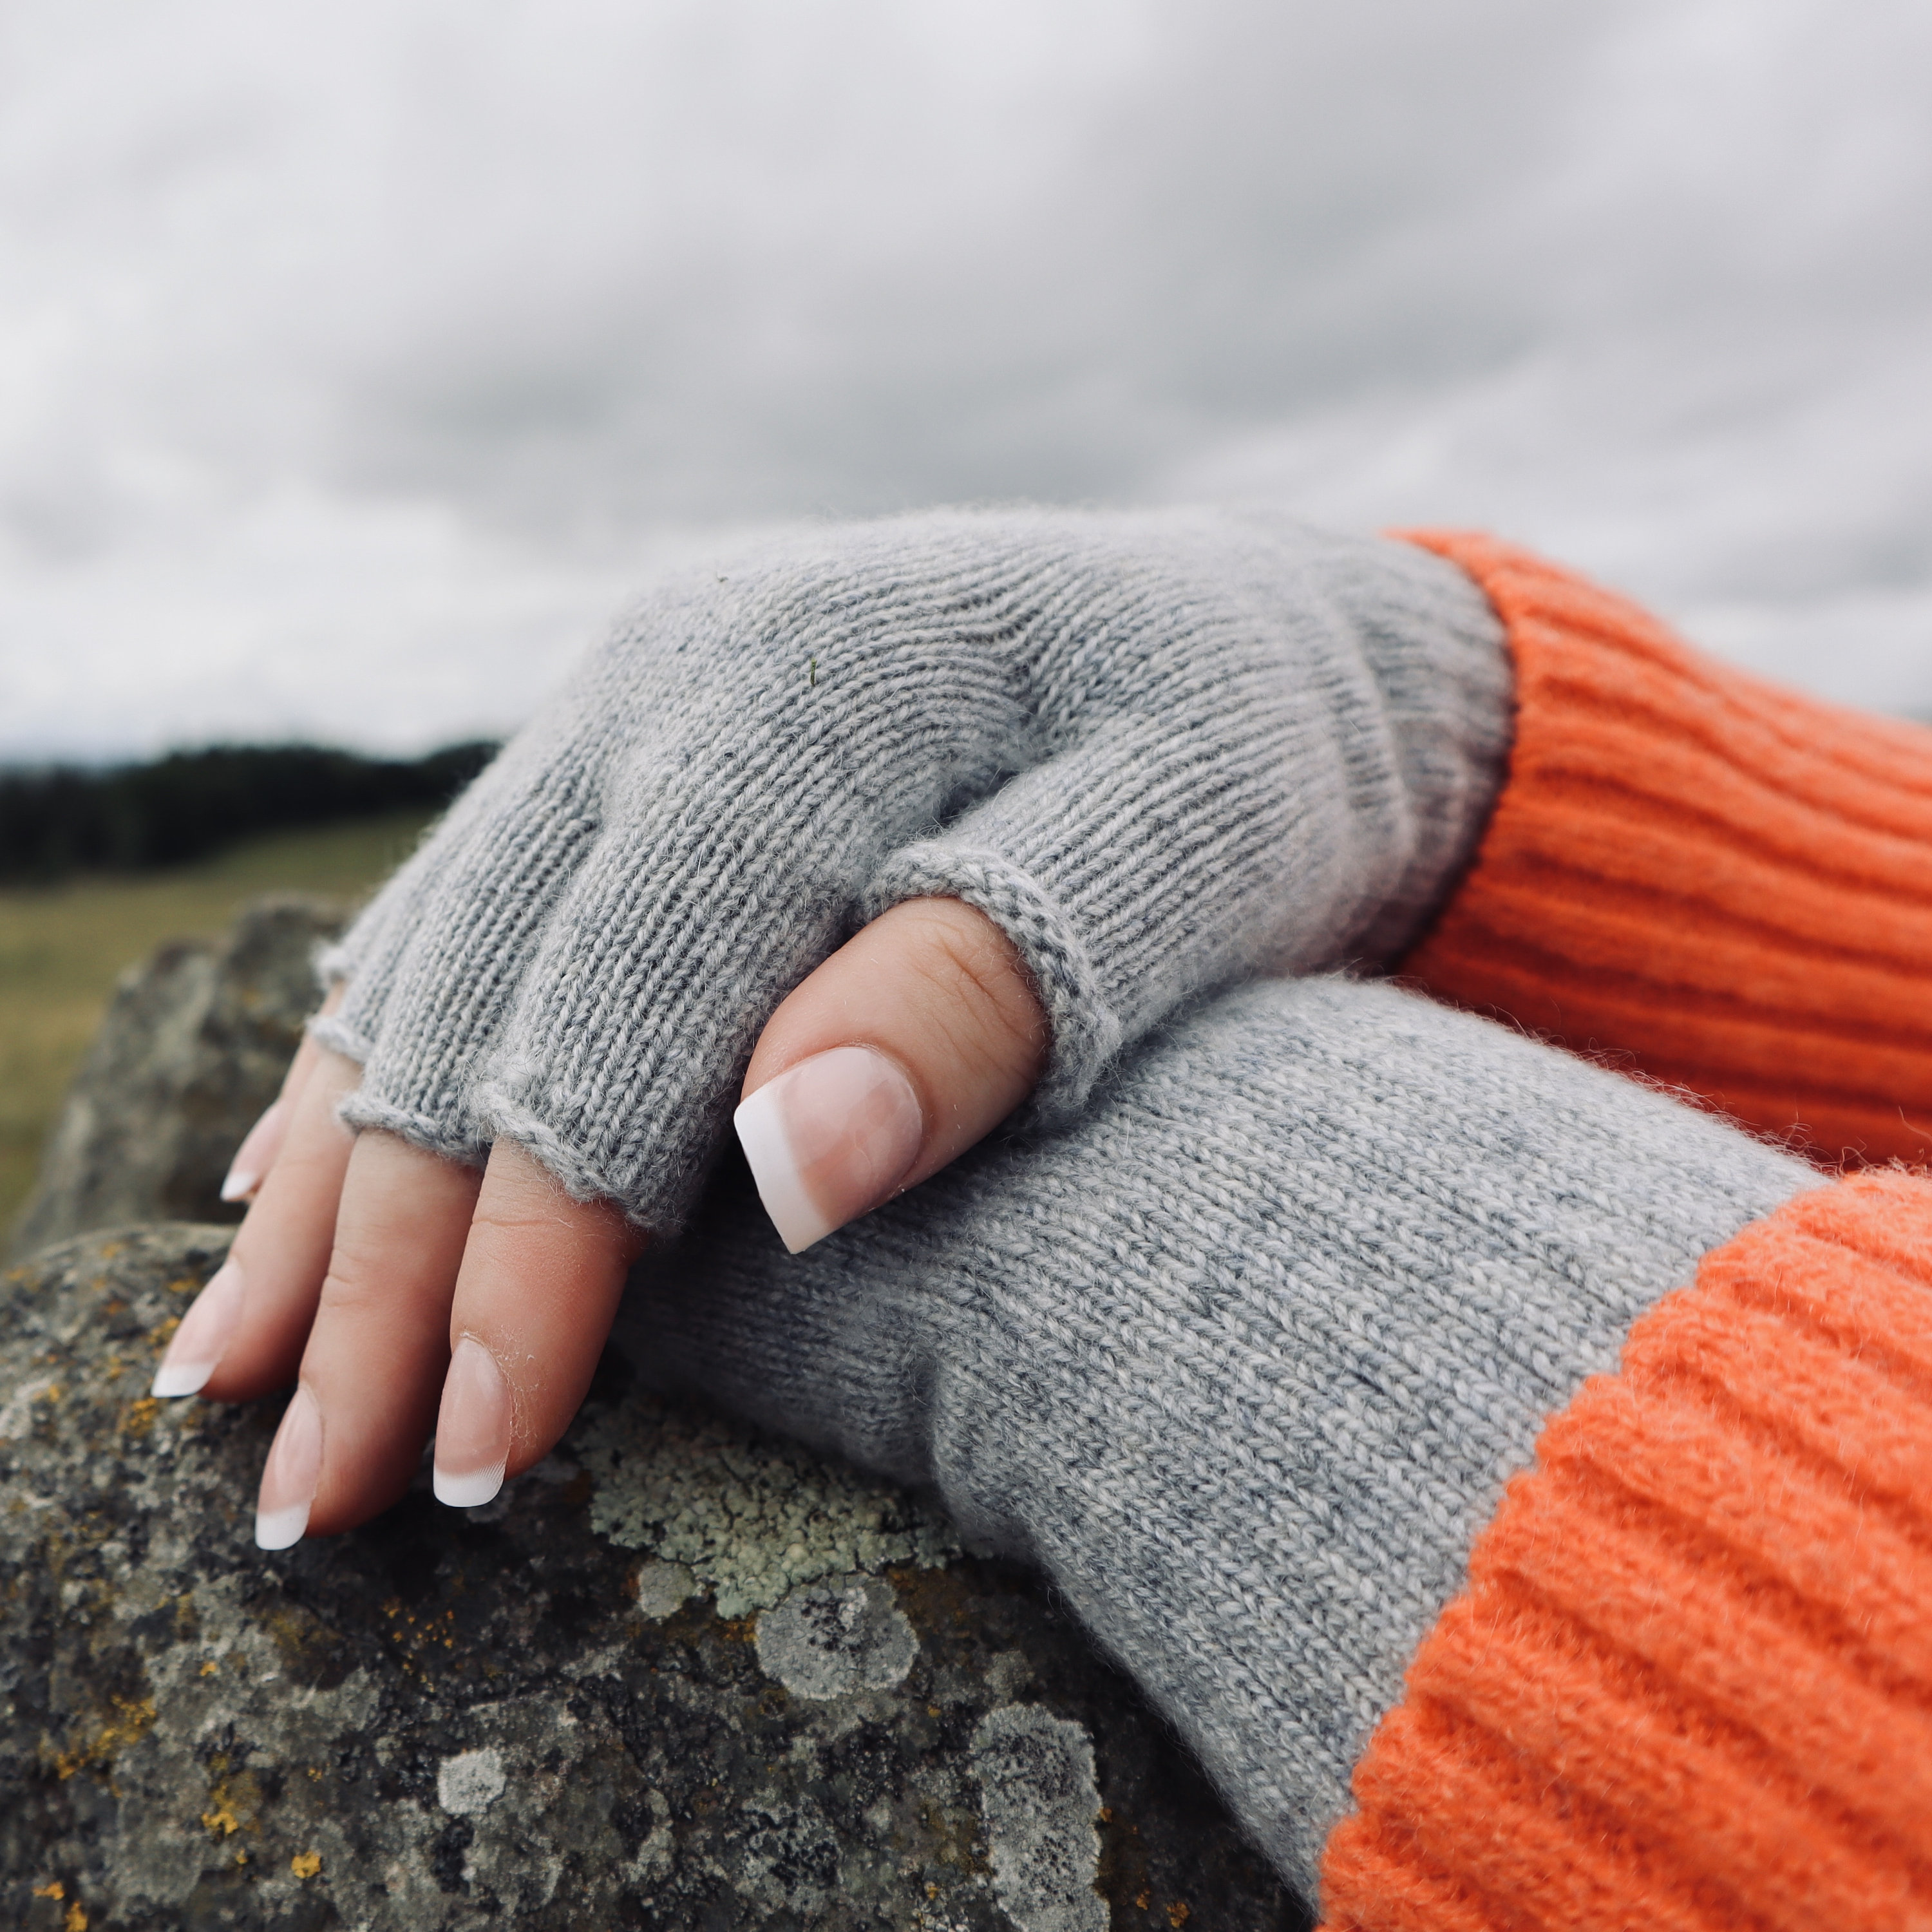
203 1337
291 1475
829 1138
253 1156
472 1428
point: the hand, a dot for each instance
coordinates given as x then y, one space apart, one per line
1162 752
1238 743
365 1262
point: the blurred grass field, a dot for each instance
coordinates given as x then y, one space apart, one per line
62 947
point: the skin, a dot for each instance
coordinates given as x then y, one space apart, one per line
366 1260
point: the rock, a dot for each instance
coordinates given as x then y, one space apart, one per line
679 1675
192 1048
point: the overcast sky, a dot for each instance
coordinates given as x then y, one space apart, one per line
355 358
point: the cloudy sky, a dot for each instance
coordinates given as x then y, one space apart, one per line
355 358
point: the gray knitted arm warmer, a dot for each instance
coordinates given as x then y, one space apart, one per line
1163 751
1244 1359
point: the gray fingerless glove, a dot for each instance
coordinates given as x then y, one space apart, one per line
1163 751
1243 1360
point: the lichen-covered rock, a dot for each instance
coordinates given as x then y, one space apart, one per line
678 1676
194 1047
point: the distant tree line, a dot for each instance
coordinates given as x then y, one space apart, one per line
60 819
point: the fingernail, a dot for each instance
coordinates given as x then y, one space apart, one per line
200 1341
472 1428
253 1156
289 1478
829 1138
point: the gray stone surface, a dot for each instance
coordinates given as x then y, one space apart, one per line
677 1676
192 1050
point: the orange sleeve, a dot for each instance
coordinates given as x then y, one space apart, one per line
1689 1683
1723 885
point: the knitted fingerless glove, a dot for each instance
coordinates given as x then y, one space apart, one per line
1295 1366
1163 751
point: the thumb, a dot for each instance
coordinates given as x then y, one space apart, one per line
910 1043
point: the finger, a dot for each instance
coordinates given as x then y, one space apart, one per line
534 1304
243 1335
263 1141
353 1433
908 1046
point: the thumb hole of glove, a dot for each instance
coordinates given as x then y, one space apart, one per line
910 1043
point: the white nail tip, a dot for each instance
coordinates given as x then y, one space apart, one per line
471 1490
282 1529
761 1134
173 1378
239 1185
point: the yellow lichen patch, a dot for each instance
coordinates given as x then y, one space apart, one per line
184 1284
53 1889
134 1718
210 1668
413 1635
163 1333
138 1417
234 1802
1178 1915
305 1865
113 1368
76 1920
51 1393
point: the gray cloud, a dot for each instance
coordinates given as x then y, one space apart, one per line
353 359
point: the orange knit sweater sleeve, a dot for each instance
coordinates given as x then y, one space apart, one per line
1716 883
1689 1683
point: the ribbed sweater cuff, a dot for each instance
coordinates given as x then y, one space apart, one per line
1690 1681
1725 885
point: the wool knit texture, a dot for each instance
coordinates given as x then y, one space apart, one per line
1689 1683
1244 1361
1163 751
1727 884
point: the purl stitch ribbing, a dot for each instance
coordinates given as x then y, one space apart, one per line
1163 751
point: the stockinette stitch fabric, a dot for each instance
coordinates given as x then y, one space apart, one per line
1245 1361
1163 751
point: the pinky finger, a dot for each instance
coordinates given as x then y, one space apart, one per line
263 1141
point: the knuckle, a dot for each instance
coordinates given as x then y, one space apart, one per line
984 995
355 1285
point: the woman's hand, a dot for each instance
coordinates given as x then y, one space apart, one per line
1161 752
1081 769
409 1292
